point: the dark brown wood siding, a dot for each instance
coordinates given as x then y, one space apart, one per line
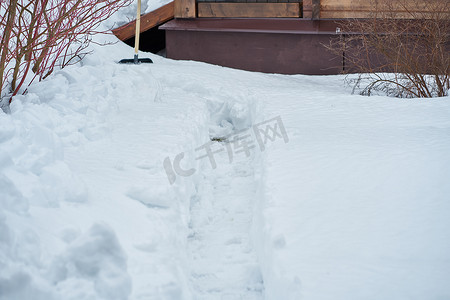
288 46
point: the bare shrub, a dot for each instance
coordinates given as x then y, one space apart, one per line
402 50
39 35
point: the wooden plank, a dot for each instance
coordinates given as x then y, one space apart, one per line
381 15
336 9
185 9
369 4
343 14
148 21
248 10
368 7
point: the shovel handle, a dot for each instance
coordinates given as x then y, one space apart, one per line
138 28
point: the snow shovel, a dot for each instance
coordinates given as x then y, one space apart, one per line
136 60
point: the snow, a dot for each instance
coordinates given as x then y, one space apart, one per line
352 203
361 194
223 263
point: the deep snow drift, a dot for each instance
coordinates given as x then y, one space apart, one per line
350 202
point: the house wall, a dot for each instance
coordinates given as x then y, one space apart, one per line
284 46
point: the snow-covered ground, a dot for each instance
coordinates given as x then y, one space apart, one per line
107 191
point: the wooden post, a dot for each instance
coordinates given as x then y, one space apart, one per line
315 9
311 9
307 9
185 9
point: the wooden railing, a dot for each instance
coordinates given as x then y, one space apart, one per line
306 9
185 9
148 21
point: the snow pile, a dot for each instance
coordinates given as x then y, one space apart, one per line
231 113
33 173
71 159
96 260
93 267
38 171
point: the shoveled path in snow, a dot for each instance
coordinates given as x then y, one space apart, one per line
223 263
